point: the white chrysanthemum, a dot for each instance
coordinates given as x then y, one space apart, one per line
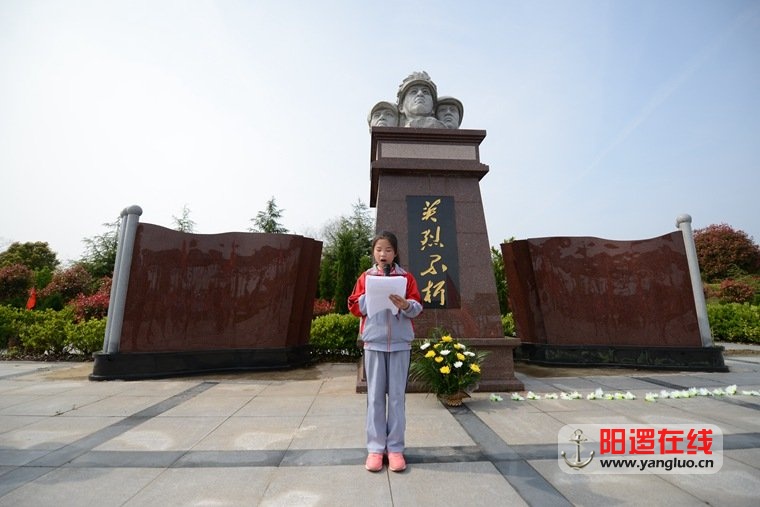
550 396
495 397
629 396
424 345
599 393
650 397
703 392
591 396
664 394
468 353
458 364
517 397
731 390
532 396
444 352
718 392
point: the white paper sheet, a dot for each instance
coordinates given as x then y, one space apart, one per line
377 290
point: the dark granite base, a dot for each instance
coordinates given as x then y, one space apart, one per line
666 358
151 365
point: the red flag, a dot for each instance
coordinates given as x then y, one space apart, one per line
32 299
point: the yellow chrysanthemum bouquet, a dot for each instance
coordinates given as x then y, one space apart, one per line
446 366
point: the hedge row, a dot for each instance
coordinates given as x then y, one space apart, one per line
333 336
734 322
49 333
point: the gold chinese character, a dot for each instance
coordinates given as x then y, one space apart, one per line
437 290
429 210
431 239
431 270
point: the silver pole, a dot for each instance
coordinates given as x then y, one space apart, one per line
125 245
683 222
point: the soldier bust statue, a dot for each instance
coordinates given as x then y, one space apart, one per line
417 106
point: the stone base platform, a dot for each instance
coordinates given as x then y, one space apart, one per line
675 358
151 365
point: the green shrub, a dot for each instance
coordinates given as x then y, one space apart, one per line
508 322
46 332
10 323
734 322
334 336
87 336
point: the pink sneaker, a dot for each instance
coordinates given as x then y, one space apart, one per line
396 462
374 462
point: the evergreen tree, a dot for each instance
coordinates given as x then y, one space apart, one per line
100 252
345 254
268 220
183 223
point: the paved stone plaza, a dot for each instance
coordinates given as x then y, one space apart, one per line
297 438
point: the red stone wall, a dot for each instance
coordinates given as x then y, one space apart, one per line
592 291
192 292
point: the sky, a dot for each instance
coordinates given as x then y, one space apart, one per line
603 118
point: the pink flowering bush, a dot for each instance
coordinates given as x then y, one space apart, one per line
732 291
94 306
15 281
323 307
66 285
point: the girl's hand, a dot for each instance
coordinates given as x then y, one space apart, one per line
399 302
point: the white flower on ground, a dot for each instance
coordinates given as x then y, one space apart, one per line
703 392
629 396
517 397
599 393
718 392
651 397
532 396
591 396
731 390
550 396
693 391
495 397
664 394
751 393
609 396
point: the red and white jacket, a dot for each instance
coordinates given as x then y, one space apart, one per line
384 331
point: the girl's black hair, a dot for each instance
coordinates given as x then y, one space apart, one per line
391 238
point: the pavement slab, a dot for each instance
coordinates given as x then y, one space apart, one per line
297 438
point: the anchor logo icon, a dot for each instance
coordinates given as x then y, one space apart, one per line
578 464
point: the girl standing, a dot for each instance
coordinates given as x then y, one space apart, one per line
387 352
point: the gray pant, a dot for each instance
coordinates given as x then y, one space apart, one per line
386 373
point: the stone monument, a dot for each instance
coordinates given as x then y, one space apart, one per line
185 303
584 301
424 182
